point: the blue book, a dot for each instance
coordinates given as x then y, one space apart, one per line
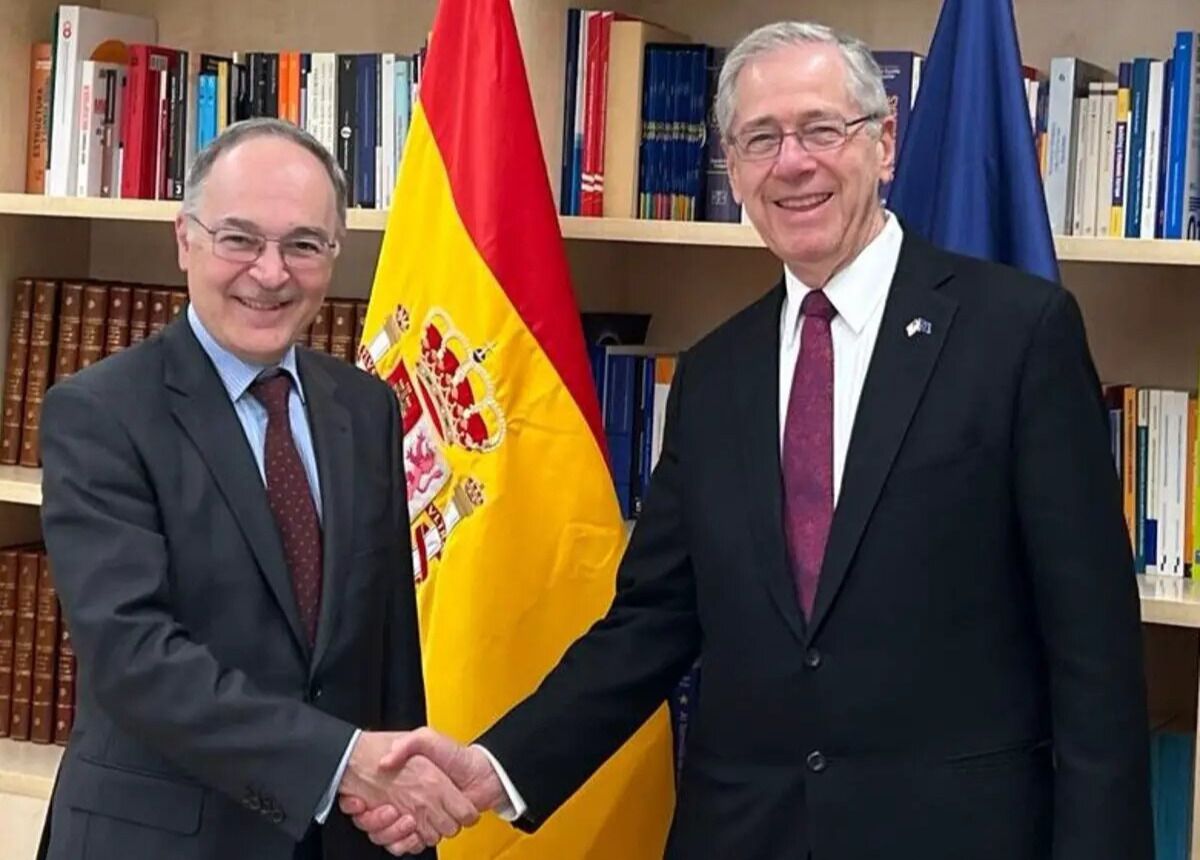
1138 93
365 131
566 195
1164 150
618 424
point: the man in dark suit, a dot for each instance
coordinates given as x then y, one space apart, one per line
887 520
227 522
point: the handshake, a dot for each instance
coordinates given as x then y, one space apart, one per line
409 790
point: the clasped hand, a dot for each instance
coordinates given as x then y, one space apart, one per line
409 790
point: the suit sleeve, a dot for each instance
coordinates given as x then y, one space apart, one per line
613 678
404 689
1076 541
102 528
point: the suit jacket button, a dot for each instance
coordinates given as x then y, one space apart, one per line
812 658
816 761
277 816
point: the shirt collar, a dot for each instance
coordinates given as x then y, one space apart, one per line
856 290
236 374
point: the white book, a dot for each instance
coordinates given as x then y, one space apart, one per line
1031 94
1150 161
664 370
329 100
102 86
1078 181
1108 147
83 33
1069 77
387 128
1179 481
1167 464
1094 135
1153 478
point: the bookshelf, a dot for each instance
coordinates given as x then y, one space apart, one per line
1070 249
1140 298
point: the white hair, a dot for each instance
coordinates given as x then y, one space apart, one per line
864 79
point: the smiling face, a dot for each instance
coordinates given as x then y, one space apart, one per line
815 210
271 187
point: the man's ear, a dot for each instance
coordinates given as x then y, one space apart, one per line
731 169
182 241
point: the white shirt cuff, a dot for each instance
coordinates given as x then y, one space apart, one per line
515 806
326 804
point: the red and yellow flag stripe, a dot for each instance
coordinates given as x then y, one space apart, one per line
516 527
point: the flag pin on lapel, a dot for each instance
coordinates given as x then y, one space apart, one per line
919 325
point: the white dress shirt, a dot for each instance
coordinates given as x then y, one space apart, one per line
857 293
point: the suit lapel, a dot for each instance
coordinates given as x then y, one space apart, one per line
333 444
899 370
201 405
757 384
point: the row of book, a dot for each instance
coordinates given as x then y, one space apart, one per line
640 137
1123 150
1153 441
59 327
114 114
632 382
637 123
37 660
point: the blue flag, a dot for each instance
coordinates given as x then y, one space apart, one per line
967 178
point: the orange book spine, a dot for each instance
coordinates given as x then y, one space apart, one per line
45 656
116 332
20 321
37 378
139 316
23 644
36 149
8 632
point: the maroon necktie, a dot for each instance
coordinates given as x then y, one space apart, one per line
808 449
290 498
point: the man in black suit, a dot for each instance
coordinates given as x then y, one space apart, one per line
226 517
887 520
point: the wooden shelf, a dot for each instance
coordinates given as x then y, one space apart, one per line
660 232
27 768
1163 252
1075 249
1170 600
87 207
20 486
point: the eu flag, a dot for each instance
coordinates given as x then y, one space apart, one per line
967 176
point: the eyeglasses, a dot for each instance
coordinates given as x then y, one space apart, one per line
818 135
240 246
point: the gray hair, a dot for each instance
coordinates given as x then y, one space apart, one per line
248 129
865 80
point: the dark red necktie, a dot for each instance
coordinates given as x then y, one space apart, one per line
808 449
290 498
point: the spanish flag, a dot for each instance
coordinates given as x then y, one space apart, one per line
516 531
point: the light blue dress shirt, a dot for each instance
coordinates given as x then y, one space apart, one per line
237 376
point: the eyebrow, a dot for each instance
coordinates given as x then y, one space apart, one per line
250 227
772 122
